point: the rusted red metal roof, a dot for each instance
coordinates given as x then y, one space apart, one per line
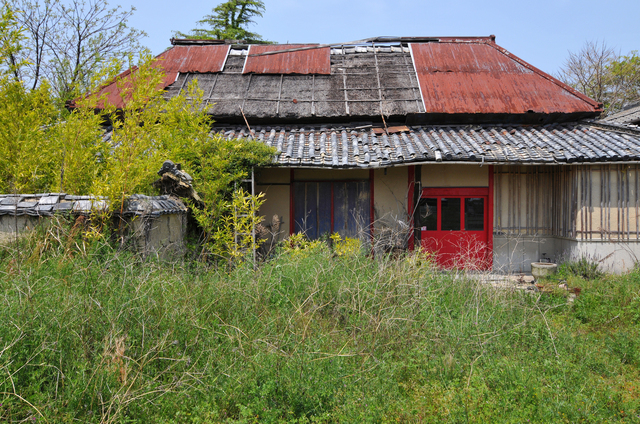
178 59
314 61
477 76
194 59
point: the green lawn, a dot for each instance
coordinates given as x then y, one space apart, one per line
90 334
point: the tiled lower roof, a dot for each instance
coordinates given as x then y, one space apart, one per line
47 204
368 147
139 204
630 115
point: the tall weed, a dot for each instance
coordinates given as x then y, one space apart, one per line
92 334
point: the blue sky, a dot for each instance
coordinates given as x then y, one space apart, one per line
540 32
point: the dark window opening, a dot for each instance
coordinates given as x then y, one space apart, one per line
474 214
428 214
325 207
450 209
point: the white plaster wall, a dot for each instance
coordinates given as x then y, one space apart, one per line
391 223
455 175
514 254
615 257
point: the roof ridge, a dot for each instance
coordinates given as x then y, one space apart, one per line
627 129
547 76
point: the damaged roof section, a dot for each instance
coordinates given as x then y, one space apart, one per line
451 80
414 80
195 59
364 81
371 147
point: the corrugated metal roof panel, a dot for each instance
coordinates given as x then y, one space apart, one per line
481 77
197 59
322 146
305 62
178 59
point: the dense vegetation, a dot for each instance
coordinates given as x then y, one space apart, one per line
92 334
96 148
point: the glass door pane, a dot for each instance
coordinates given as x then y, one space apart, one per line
450 214
474 214
428 214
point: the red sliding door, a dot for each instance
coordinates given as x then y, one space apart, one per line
454 225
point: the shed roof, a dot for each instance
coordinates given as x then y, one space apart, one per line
371 146
47 204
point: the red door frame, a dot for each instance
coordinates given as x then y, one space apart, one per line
411 176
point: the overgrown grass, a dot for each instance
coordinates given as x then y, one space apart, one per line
90 334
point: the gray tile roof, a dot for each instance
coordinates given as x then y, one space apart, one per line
42 204
47 204
139 204
627 116
368 147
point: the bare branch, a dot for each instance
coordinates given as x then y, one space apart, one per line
69 41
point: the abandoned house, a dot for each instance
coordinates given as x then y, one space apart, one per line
452 144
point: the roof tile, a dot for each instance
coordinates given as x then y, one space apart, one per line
355 147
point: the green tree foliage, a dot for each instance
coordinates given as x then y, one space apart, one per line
230 21
604 75
43 150
227 215
11 38
26 155
146 132
625 77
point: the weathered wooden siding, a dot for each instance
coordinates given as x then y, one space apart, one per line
582 202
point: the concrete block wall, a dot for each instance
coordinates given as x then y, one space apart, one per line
514 254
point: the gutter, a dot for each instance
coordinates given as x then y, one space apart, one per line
479 164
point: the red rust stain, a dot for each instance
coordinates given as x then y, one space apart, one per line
194 59
178 59
481 77
304 62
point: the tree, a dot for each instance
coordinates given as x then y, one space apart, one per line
66 42
602 74
625 79
229 21
25 156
